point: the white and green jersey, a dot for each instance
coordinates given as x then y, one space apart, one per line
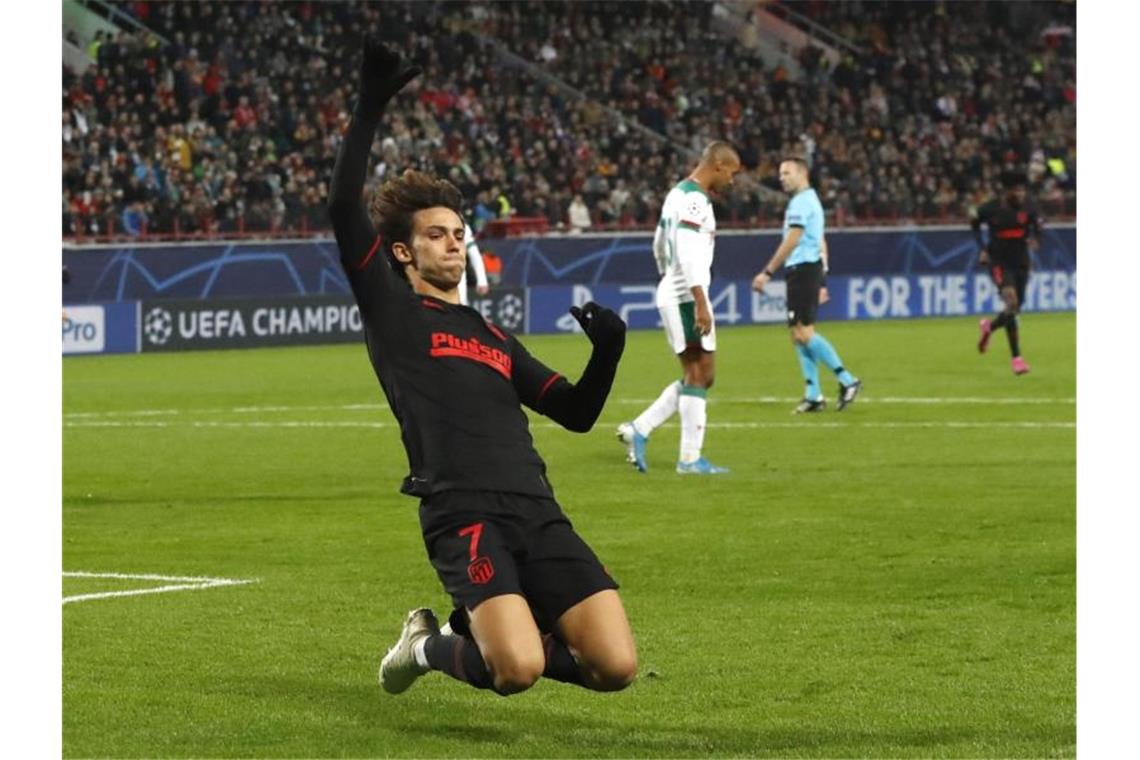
683 243
475 259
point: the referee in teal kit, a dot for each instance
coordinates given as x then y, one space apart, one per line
803 248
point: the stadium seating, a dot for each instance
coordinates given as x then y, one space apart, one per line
224 118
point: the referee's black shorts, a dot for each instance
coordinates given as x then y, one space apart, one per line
484 544
804 282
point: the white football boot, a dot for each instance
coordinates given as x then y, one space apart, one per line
399 669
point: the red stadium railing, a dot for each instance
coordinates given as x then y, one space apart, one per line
516 226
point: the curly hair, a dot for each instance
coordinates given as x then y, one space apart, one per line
397 201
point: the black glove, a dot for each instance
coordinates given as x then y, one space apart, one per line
602 326
383 72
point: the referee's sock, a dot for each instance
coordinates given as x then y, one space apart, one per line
810 373
822 349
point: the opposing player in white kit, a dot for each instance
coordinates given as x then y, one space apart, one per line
683 248
475 258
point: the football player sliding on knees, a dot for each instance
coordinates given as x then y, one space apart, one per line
530 598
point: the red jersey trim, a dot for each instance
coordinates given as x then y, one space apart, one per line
432 305
458 352
546 386
1010 234
498 333
368 257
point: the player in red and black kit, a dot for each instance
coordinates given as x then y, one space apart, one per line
531 598
1014 229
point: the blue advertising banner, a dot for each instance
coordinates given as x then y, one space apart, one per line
183 325
852 297
223 323
110 328
312 268
168 324
629 259
204 271
196 289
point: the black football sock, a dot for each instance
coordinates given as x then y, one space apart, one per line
459 658
560 664
1000 321
1011 333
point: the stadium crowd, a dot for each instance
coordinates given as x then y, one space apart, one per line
232 124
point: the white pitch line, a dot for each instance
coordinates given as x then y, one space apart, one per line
223 424
807 424
945 400
142 591
918 400
143 577
180 583
134 413
225 410
311 408
926 400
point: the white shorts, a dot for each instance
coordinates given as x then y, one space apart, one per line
680 325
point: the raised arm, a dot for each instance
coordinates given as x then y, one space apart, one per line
383 73
574 406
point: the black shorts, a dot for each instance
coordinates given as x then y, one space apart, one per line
804 282
484 544
1006 276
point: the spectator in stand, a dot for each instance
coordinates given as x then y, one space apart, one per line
946 97
134 219
70 225
501 204
482 212
578 214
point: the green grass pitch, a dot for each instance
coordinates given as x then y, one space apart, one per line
895 580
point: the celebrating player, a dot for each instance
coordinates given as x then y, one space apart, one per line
683 248
531 598
1014 228
803 247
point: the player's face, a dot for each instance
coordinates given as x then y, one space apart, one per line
1016 196
791 176
726 171
437 247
